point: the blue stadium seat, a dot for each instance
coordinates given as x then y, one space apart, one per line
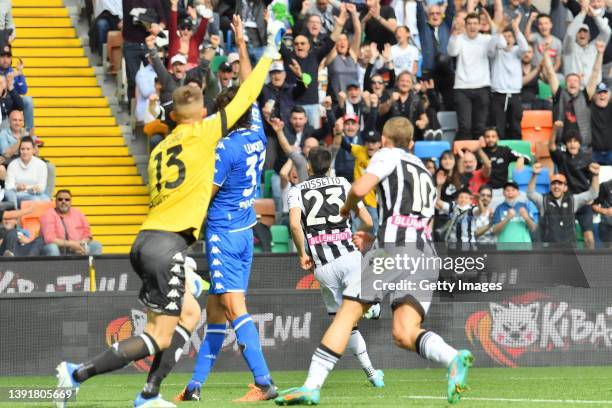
522 179
449 124
430 150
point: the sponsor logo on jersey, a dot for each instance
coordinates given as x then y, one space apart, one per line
174 281
219 286
215 250
171 306
173 294
217 274
216 262
178 257
221 146
176 268
340 236
215 238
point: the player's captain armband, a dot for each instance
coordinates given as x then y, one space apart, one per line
193 281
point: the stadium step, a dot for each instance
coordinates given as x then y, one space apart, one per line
38 3
50 22
83 131
58 92
71 103
65 171
115 219
83 121
98 180
112 210
115 239
46 42
68 112
92 141
93 161
39 12
115 229
48 52
41 82
46 32
76 124
49 152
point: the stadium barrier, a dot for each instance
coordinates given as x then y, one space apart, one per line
521 326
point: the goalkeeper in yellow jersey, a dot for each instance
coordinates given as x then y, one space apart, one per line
181 170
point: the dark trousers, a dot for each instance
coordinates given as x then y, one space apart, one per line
11 243
507 112
134 54
472 106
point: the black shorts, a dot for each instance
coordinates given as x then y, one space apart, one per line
158 257
584 215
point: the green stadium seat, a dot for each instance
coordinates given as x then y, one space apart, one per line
280 238
267 184
544 90
520 146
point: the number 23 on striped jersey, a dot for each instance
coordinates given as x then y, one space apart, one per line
332 197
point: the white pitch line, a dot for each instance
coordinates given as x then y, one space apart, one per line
527 400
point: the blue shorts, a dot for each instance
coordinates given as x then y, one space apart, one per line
230 255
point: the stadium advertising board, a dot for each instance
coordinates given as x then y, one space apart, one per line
564 326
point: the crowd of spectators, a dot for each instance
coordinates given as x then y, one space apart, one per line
348 66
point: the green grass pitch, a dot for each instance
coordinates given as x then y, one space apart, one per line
489 387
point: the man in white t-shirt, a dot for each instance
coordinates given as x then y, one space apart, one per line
405 56
472 76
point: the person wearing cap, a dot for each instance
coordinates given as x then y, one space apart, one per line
579 50
557 208
19 83
234 60
169 81
601 125
223 79
570 105
182 36
597 8
514 220
279 94
362 155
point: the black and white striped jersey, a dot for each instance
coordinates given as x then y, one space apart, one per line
406 196
328 235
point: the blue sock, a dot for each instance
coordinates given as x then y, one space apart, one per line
248 341
210 349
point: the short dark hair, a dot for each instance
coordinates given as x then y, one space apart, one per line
484 187
320 159
544 15
194 79
568 135
26 139
63 190
465 191
298 109
224 98
471 16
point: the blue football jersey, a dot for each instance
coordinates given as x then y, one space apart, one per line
240 158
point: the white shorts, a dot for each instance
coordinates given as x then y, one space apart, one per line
340 278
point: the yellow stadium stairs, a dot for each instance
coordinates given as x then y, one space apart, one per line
75 122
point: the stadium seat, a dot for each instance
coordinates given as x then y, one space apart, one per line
536 126
430 150
114 45
544 90
459 145
266 211
32 211
605 173
267 184
448 124
280 238
519 146
522 179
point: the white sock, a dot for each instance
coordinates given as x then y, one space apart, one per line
323 362
357 346
433 347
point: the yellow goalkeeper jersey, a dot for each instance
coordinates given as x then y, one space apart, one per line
181 167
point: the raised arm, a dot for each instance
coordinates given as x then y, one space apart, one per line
356 40
549 71
596 71
245 61
532 194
